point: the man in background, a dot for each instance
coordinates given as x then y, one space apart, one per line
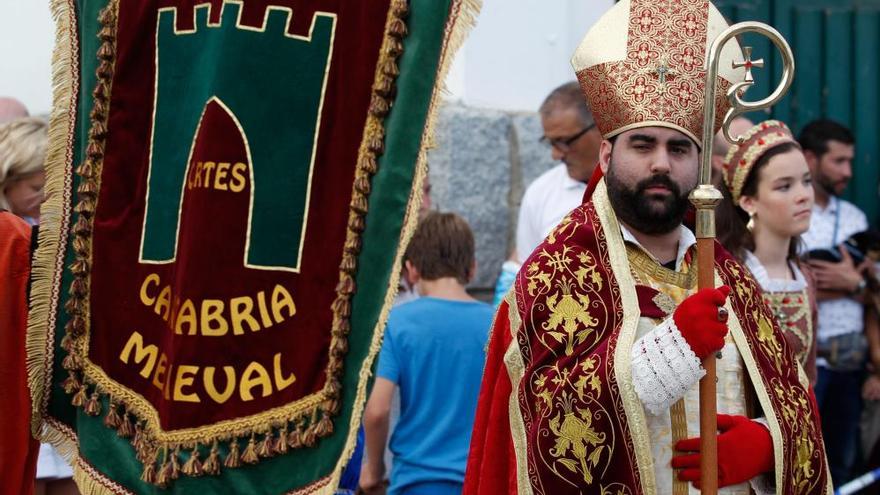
571 133
829 149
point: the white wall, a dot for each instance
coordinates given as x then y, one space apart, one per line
520 50
517 53
27 36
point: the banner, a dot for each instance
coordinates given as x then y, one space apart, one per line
230 187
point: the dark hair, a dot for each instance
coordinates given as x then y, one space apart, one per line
568 96
815 136
731 220
442 246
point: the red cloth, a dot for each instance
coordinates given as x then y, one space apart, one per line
745 450
18 449
491 466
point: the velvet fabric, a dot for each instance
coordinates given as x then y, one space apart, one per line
18 450
211 242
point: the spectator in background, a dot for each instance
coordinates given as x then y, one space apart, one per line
720 145
18 450
768 198
432 352
570 131
22 178
829 149
574 140
11 109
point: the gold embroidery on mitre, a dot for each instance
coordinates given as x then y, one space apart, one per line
642 64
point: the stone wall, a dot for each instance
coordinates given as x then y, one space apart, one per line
483 161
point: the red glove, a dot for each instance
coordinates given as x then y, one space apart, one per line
745 450
697 320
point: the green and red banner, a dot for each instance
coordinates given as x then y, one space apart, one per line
231 184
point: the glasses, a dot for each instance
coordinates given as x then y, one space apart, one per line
564 144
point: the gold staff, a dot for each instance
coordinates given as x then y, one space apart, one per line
705 197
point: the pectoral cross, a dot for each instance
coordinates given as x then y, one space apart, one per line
748 64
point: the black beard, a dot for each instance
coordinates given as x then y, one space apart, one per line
647 215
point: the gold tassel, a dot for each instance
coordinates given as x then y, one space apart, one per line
379 106
80 267
93 406
369 165
346 286
137 441
76 326
267 446
342 327
249 456
233 459
175 464
340 346
359 204
148 475
309 437
281 446
324 427
211 466
125 429
112 420
376 144
79 399
349 264
398 28
294 440
193 467
164 477
71 384
100 92
362 184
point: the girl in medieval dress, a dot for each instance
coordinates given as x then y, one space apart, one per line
768 202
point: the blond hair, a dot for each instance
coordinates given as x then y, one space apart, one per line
22 151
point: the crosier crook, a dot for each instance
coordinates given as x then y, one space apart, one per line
705 197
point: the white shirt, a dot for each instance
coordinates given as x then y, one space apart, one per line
843 315
546 202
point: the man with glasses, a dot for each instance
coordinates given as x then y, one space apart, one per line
570 133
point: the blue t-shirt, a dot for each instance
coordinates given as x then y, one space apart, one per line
434 351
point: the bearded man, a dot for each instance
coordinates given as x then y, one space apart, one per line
590 384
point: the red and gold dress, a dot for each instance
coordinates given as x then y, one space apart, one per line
793 303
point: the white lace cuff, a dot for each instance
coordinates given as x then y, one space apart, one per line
664 367
764 484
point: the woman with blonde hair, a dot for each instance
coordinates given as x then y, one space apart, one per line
22 177
768 193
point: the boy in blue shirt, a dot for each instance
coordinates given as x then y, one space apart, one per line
433 351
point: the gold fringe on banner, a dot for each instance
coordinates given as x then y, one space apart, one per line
54 225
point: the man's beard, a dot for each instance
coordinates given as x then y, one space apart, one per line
828 185
637 209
